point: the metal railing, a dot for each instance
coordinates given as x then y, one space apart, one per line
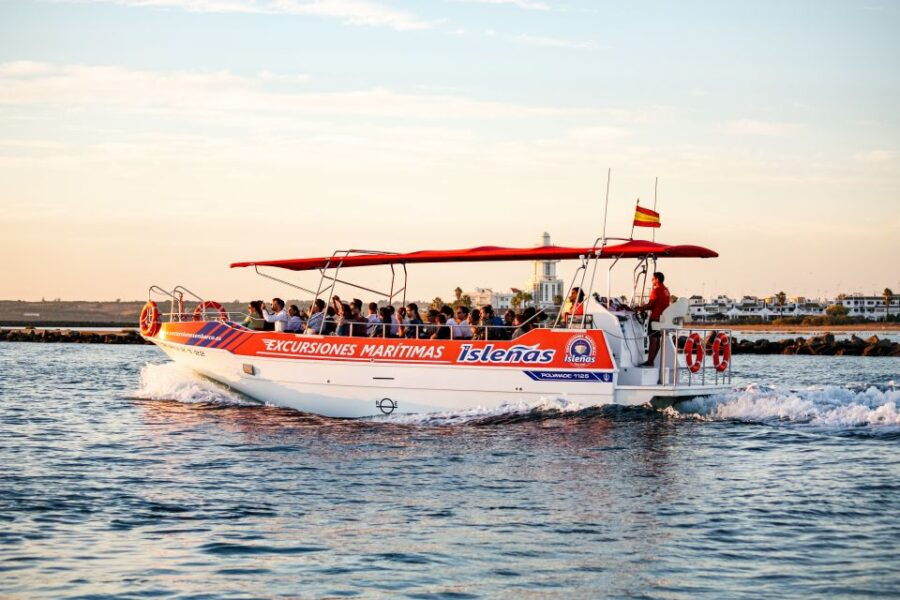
671 372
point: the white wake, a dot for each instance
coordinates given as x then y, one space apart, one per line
171 381
827 406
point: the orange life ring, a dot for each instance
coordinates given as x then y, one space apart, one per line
694 352
210 305
150 322
721 352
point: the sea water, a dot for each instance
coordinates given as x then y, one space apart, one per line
122 475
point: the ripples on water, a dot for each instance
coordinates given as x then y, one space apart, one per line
119 478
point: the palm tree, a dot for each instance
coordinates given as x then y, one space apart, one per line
888 296
458 294
781 299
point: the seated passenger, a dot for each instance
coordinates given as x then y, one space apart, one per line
384 326
522 327
442 331
295 320
316 314
462 330
431 320
573 306
330 321
509 319
476 325
491 323
345 320
414 321
448 318
356 305
278 316
254 320
401 321
372 319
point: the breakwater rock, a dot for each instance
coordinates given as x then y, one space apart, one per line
820 345
72 336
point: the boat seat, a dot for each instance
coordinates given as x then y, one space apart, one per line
674 316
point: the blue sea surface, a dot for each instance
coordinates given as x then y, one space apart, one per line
123 476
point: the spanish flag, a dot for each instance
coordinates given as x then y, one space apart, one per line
644 217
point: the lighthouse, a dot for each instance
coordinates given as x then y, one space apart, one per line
545 285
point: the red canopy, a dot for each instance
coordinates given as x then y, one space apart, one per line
631 249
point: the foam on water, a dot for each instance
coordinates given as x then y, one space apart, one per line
509 409
826 406
171 381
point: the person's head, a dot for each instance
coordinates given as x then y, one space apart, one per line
373 308
529 312
317 306
385 313
509 316
346 310
401 312
475 317
462 313
447 312
330 312
576 295
255 307
487 311
518 319
277 304
356 305
294 310
432 315
412 309
391 308
658 278
441 318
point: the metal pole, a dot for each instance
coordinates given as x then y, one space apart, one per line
631 237
606 206
655 186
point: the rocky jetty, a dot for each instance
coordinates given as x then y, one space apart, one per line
820 345
72 336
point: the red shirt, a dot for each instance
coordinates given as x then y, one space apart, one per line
659 301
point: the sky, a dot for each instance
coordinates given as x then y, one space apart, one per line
156 141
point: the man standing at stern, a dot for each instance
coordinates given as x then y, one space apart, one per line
659 301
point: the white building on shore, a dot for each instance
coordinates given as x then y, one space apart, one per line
546 287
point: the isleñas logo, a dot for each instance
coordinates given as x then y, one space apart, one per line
581 351
516 354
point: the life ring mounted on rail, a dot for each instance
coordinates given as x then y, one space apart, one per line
721 352
150 322
210 305
694 353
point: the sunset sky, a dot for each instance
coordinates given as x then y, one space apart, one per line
156 141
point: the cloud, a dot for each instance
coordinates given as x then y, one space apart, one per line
753 127
353 12
526 4
551 42
218 95
877 156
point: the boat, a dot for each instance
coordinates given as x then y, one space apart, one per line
592 357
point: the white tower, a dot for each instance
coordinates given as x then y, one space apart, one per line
545 285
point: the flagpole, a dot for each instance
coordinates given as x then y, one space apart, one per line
606 206
655 186
632 220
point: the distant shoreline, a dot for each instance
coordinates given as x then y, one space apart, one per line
767 328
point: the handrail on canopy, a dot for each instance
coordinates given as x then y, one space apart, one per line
630 249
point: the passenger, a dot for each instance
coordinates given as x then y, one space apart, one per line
345 320
401 321
414 321
573 306
431 324
522 326
395 321
372 319
278 316
476 326
462 330
448 318
356 305
330 321
255 319
491 323
295 320
658 302
509 318
316 314
384 326
442 331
